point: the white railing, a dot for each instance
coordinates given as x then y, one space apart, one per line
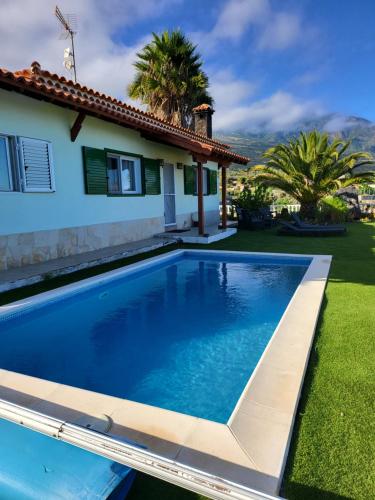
290 208
274 209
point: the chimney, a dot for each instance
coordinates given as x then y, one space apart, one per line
203 119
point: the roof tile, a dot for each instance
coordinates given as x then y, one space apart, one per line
51 84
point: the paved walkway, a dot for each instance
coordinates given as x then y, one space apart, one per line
212 233
27 275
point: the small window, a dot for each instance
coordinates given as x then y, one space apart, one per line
26 165
6 183
124 174
36 165
205 181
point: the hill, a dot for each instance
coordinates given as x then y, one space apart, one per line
359 131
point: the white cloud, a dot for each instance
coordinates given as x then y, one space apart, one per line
280 111
29 31
236 17
309 77
274 29
338 123
237 109
228 90
282 31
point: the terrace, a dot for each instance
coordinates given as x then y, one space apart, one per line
331 450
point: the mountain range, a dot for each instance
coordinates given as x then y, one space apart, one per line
359 131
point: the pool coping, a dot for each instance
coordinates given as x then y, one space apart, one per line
251 449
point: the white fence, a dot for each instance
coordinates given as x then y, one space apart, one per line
276 209
290 208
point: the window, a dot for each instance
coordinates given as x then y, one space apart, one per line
25 165
113 175
36 165
6 183
191 180
124 174
116 173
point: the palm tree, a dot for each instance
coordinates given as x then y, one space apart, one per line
169 78
311 167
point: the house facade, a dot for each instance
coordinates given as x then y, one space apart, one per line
81 171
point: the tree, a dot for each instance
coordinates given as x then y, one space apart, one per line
169 78
311 167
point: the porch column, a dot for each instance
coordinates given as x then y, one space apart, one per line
223 196
200 199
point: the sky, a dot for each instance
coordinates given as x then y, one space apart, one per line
271 63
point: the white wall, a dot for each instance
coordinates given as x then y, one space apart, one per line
69 206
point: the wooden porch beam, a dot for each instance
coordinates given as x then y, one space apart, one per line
200 199
199 158
74 131
223 196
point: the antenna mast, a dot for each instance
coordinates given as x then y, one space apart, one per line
67 23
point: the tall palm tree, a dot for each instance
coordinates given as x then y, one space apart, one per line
311 167
169 78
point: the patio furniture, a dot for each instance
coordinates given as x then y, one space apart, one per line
293 230
267 216
248 219
306 225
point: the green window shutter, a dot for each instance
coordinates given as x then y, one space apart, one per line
189 179
213 182
151 176
95 170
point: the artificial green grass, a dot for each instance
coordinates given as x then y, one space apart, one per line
332 454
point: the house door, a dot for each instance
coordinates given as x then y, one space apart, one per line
169 195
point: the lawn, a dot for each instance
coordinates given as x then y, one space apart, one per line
332 453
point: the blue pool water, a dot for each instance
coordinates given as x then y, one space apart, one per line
184 335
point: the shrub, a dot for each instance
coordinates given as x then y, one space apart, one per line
285 200
254 198
333 209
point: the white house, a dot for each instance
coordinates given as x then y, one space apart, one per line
80 170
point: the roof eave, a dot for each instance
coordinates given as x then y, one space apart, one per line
37 91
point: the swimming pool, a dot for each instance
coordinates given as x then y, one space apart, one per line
198 357
184 335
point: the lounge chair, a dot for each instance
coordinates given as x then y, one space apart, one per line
306 225
292 229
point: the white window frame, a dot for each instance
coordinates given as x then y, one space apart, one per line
26 189
137 173
10 170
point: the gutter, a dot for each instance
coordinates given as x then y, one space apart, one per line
128 454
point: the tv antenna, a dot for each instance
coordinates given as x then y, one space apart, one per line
69 26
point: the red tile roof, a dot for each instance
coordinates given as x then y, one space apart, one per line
202 107
41 84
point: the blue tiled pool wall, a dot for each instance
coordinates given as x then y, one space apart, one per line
183 334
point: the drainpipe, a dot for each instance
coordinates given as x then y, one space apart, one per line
117 449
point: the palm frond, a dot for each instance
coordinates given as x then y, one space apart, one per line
169 77
312 166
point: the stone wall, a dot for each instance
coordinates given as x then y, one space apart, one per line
21 249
